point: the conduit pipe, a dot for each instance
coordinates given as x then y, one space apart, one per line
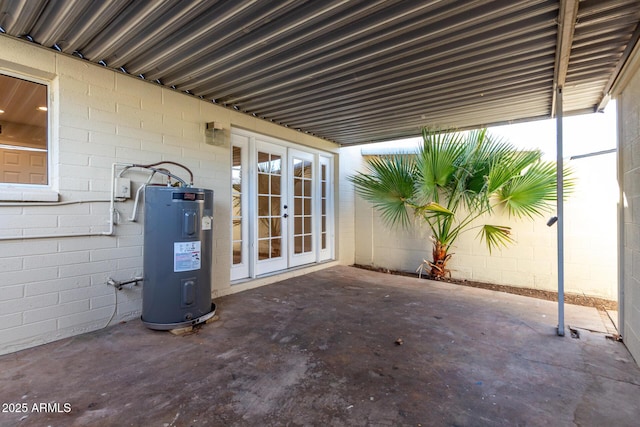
112 214
135 204
112 210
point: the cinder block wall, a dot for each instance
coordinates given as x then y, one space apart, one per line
590 241
56 287
629 174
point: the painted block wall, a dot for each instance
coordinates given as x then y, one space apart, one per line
590 241
629 171
56 287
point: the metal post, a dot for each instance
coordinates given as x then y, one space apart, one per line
560 211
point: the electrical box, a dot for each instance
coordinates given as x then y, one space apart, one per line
177 257
123 188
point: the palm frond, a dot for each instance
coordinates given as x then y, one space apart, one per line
389 186
530 194
495 236
508 166
482 151
436 162
437 209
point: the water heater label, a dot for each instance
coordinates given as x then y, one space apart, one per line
186 256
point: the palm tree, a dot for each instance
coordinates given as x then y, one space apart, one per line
455 178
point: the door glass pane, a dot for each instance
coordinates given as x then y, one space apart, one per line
297 225
276 228
276 251
263 228
275 184
303 206
263 158
236 200
269 206
263 205
275 206
263 249
237 206
323 215
276 165
297 167
263 183
237 252
237 231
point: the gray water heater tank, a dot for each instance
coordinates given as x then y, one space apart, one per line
177 257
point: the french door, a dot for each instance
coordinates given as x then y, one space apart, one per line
281 206
302 222
271 219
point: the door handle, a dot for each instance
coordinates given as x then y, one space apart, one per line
285 216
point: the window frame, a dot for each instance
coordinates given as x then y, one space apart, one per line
17 192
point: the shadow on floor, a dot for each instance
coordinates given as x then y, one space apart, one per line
322 349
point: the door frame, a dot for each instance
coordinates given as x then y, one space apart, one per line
251 267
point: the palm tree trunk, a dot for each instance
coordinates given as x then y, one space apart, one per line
440 259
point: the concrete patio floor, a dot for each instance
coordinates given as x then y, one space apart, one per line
321 349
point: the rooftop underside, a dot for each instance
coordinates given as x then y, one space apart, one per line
353 71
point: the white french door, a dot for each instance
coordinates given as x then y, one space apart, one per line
282 204
270 219
302 222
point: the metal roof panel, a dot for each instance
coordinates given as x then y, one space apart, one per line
350 71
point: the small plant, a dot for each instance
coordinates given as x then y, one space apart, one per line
455 178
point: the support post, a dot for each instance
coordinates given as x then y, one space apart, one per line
560 211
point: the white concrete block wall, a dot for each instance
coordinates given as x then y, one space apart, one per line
348 161
590 241
629 173
56 287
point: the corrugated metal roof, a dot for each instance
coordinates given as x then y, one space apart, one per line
351 71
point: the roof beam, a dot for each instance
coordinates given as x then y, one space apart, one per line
566 27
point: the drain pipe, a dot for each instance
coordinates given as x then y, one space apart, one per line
560 211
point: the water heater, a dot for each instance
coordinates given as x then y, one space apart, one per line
177 257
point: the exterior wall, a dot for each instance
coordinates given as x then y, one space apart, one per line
590 241
629 175
56 287
349 160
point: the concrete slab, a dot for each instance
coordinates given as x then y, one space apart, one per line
322 349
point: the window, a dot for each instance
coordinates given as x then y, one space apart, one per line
23 131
